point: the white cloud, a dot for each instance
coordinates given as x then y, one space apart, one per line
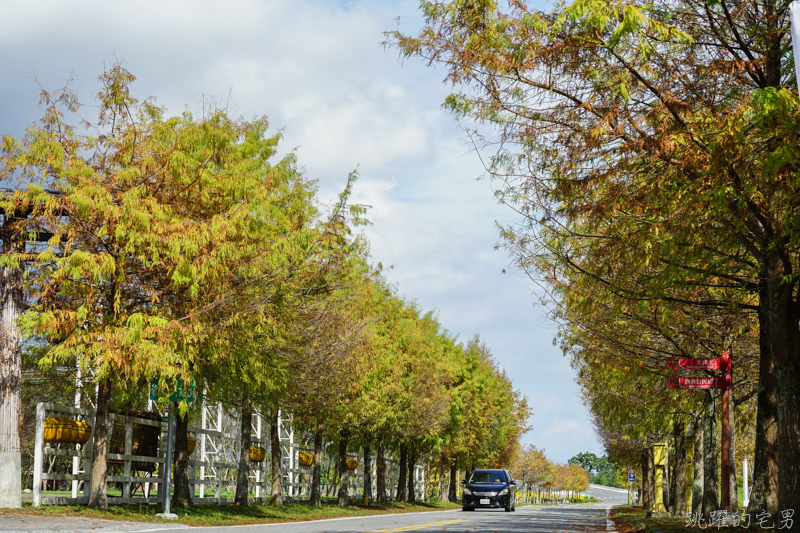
566 437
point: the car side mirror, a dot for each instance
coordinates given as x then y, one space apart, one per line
463 481
513 481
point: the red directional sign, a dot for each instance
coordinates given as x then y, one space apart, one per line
702 383
712 363
699 364
719 363
723 382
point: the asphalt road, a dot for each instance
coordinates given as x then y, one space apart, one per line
572 518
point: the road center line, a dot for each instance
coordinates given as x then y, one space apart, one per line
421 526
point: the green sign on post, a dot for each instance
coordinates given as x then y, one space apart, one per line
178 395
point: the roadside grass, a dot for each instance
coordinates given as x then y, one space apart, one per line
633 519
230 515
582 499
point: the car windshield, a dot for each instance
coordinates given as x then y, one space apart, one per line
487 477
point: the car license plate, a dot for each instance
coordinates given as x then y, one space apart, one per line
485 501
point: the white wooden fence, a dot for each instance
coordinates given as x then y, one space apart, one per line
212 466
42 450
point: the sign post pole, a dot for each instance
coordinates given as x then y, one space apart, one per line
726 434
168 465
723 382
631 479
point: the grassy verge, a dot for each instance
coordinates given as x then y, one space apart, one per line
229 515
634 520
589 499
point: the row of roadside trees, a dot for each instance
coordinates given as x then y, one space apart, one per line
539 478
174 249
651 151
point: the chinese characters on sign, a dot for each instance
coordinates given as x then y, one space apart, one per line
696 364
699 383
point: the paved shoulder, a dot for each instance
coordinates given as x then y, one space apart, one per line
590 517
30 523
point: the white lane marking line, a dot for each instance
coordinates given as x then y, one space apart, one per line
606 489
174 528
362 517
552 519
549 519
609 522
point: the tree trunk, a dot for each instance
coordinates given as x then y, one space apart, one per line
242 479
11 378
710 491
182 493
344 488
316 474
380 473
679 471
401 481
276 496
99 493
368 467
779 317
648 484
443 474
732 482
699 476
333 486
764 493
452 495
412 490
10 358
673 482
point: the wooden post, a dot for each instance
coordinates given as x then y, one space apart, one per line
126 485
689 470
38 455
204 425
745 489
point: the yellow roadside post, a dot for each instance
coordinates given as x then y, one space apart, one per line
659 460
689 471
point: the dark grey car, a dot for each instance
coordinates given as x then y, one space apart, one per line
489 489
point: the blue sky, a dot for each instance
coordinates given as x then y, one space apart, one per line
318 71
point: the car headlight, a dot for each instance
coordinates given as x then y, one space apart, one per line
503 492
467 491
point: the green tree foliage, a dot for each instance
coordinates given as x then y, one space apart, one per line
156 224
601 470
177 249
650 148
486 416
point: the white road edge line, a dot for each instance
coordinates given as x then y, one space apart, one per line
295 522
610 489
